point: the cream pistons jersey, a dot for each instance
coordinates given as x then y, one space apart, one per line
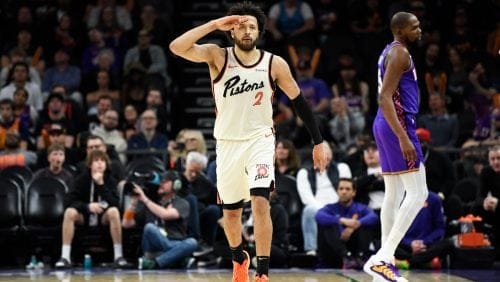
243 97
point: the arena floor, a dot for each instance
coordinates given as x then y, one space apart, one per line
200 275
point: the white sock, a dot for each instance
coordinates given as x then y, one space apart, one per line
117 248
66 252
416 194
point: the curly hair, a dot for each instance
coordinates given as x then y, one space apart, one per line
247 8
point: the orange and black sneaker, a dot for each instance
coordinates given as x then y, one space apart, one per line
261 278
240 271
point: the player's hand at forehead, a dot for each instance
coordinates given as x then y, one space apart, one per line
230 22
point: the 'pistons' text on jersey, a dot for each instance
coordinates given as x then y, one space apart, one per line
243 97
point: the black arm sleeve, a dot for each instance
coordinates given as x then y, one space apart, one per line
304 112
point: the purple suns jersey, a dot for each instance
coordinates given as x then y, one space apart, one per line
406 100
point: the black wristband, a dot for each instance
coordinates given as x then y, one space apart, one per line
304 112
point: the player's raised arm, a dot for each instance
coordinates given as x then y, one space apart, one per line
185 45
285 81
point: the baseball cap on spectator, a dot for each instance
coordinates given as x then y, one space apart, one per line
56 129
424 135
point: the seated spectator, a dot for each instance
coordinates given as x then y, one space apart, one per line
18 78
480 90
112 136
121 13
424 241
62 73
34 53
345 229
287 158
443 127
487 201
343 126
148 138
26 113
154 101
92 201
9 123
433 78
72 109
111 30
104 103
105 63
327 19
370 187
187 140
64 33
151 58
159 29
18 55
104 88
470 161
96 45
439 169
56 134
354 91
55 157
462 199
457 78
164 241
55 113
317 190
14 155
130 121
290 21
134 83
96 143
315 90
201 194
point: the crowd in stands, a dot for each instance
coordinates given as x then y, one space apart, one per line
84 88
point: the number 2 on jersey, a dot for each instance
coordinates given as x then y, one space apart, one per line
258 98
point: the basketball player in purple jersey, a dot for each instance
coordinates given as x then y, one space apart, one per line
399 148
243 82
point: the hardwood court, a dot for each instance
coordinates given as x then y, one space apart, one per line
200 275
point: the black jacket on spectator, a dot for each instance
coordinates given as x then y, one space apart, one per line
79 196
202 188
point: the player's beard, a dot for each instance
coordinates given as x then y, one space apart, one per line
245 45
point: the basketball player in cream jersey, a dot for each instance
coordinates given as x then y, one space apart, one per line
243 82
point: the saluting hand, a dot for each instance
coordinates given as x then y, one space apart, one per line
320 157
229 22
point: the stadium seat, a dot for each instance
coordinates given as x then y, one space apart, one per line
43 216
10 220
20 174
286 186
